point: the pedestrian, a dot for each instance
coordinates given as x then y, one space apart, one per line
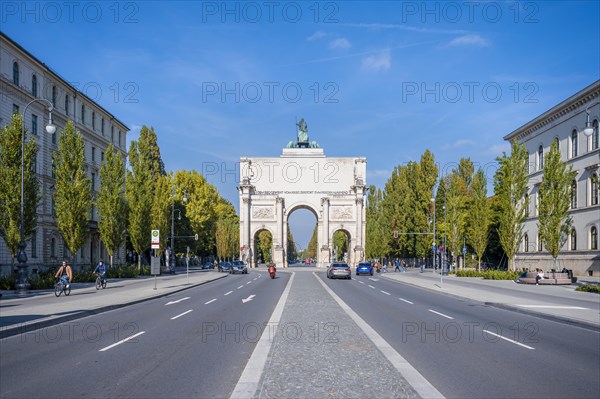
422 266
397 268
539 276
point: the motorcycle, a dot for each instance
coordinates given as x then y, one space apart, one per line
272 271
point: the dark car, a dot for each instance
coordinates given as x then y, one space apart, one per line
224 267
364 268
208 265
239 267
339 270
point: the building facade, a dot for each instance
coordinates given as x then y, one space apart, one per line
24 78
565 123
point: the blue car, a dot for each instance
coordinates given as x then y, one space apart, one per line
364 268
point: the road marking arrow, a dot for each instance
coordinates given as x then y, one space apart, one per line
244 300
177 301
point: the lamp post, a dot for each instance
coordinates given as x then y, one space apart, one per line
433 246
22 285
588 130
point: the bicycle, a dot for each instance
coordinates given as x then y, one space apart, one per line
60 287
100 283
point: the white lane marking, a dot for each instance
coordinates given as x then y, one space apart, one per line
362 282
227 293
248 282
177 301
552 307
423 387
248 383
509 340
251 297
373 279
386 293
404 300
184 313
441 314
121 341
212 300
241 286
371 286
255 278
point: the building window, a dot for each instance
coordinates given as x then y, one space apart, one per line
102 157
82 114
34 125
595 135
53 247
112 134
526 242
93 120
594 189
34 244
574 194
93 154
540 158
16 73
594 238
15 109
54 96
34 85
102 126
119 144
574 143
54 138
67 104
573 240
93 183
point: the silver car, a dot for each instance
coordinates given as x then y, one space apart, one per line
239 267
339 270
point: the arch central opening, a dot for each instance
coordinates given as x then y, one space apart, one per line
302 237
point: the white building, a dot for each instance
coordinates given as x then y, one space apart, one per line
24 78
565 122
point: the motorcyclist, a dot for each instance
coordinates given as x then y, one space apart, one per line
272 269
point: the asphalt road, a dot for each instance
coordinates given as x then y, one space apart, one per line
469 350
191 344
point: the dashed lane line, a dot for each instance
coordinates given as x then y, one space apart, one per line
121 341
386 293
241 286
508 339
407 301
211 301
182 314
441 314
227 293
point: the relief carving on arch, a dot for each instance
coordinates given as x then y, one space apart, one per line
263 212
341 212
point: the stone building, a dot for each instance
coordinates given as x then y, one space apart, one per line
565 122
24 78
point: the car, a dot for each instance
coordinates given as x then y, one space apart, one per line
208 265
307 262
239 266
364 268
339 270
224 267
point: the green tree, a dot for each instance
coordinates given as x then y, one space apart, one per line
374 240
340 243
479 216
425 179
111 203
73 195
510 186
455 214
148 146
10 179
161 209
312 244
555 193
292 252
140 195
265 243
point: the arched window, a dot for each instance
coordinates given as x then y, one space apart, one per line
595 135
573 240
34 85
574 194
594 189
67 104
16 73
540 157
574 143
526 242
593 238
53 247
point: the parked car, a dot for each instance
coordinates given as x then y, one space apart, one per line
339 270
224 267
208 265
364 268
239 266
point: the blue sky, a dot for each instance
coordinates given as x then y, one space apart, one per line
383 80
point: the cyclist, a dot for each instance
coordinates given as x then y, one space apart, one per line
100 270
65 273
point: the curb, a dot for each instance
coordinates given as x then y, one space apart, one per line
16 329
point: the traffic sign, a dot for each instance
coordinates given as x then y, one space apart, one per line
196 237
464 251
155 243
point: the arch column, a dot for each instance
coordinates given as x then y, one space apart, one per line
278 249
324 246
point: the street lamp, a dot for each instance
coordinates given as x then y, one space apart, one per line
22 285
588 130
433 246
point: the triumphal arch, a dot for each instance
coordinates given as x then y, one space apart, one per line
333 189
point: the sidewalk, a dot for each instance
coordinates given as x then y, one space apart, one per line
41 308
558 302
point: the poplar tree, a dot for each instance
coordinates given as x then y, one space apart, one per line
510 186
555 193
374 240
112 207
479 216
10 183
312 244
73 195
161 209
455 215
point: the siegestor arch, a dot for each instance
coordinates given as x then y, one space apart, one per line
332 189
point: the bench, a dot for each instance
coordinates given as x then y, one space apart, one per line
549 278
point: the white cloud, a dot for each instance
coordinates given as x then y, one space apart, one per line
498 149
470 40
458 144
379 61
340 43
317 35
